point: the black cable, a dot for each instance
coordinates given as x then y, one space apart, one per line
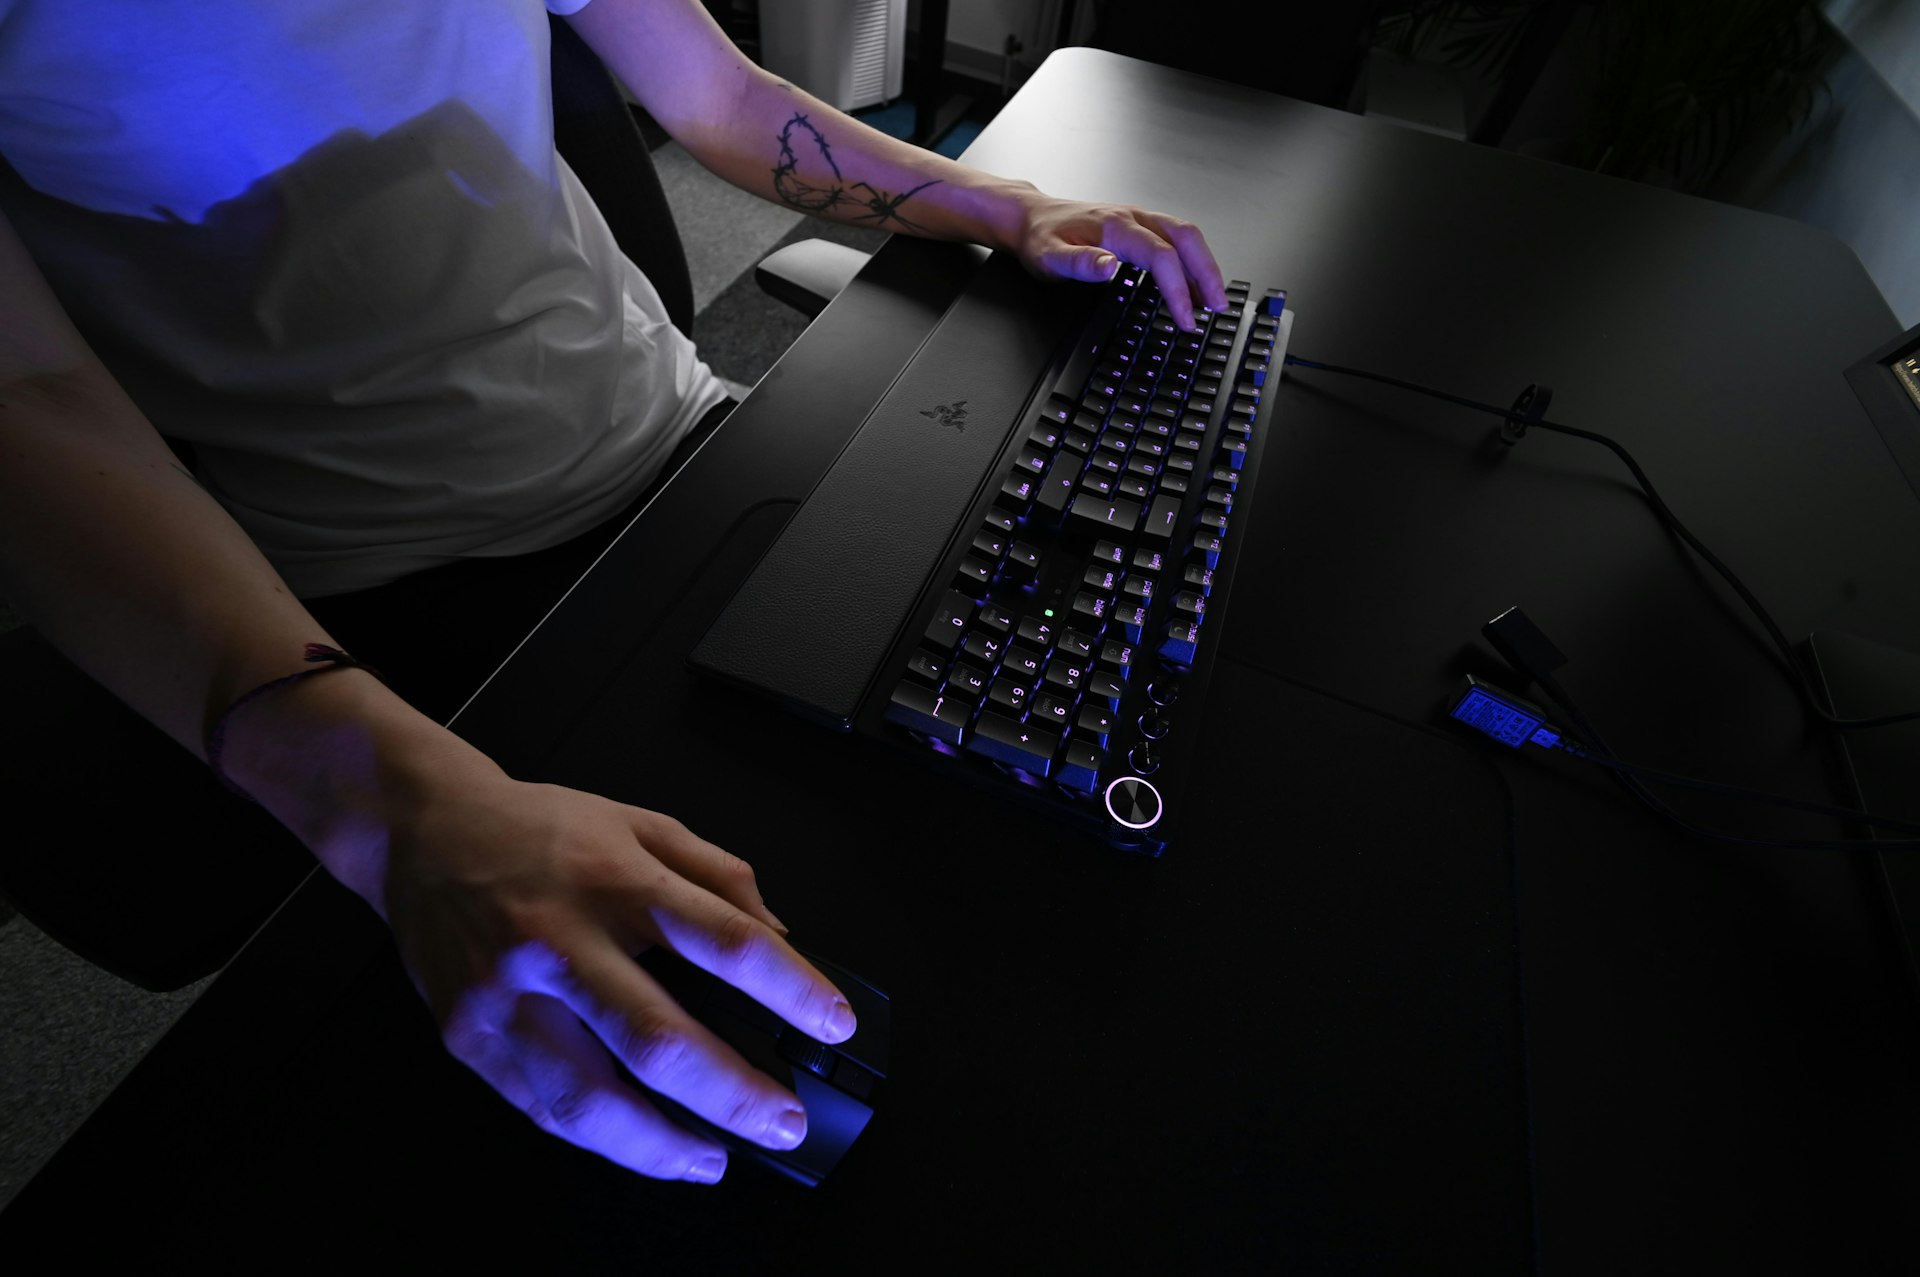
1667 516
1515 722
1754 795
1629 774
1629 778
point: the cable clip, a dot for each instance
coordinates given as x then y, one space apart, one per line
1527 409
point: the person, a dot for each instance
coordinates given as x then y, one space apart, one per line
328 251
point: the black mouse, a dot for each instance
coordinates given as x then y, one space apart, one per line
839 1085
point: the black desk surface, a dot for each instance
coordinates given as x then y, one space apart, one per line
1401 1004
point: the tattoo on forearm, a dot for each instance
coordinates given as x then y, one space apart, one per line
881 208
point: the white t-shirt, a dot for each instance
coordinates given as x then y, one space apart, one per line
330 244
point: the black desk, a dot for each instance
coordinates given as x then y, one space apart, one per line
1313 1038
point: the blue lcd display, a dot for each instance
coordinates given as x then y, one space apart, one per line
1496 718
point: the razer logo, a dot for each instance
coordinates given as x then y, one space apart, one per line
953 414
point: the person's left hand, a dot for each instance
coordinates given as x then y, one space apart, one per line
1070 239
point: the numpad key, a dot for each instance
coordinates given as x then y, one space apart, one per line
1067 587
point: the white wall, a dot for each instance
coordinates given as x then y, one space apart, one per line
977 32
1855 170
985 24
1886 34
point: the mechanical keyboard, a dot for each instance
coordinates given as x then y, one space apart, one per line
1058 646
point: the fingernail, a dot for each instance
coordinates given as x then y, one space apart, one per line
840 1021
790 1127
1109 263
707 1170
778 925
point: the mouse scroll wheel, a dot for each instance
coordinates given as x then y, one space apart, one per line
798 1049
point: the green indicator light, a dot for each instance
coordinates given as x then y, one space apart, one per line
1049 611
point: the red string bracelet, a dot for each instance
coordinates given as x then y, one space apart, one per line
326 658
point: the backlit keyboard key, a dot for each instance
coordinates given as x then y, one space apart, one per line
1009 697
1016 744
1080 766
1090 610
1162 519
1016 494
949 621
1063 678
968 681
1106 687
1182 642
919 710
972 577
1096 515
982 648
1075 646
1039 633
1050 711
1094 724
1022 663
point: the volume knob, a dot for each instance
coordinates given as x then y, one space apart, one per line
1133 802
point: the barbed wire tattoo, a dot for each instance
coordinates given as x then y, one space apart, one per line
881 208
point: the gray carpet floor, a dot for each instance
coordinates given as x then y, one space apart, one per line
68 1031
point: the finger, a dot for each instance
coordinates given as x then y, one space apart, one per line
670 1052
719 938
484 1049
1138 242
1196 258
701 862
1087 262
1170 273
546 1064
703 916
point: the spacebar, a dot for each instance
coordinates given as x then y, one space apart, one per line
814 619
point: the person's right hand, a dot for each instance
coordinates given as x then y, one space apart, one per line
1073 239
518 908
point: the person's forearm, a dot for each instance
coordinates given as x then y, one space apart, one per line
113 552
774 139
770 138
795 149
124 563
